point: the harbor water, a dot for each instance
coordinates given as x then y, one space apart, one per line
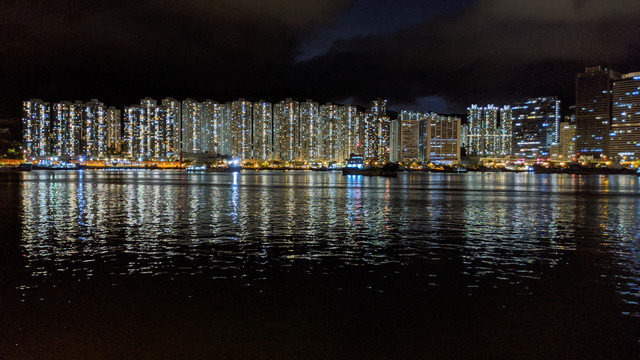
300 264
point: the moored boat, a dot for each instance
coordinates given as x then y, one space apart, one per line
196 168
209 168
516 168
356 166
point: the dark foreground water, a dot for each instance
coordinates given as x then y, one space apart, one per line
166 265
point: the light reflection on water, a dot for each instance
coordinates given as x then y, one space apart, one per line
498 228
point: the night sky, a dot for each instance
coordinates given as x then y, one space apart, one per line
436 55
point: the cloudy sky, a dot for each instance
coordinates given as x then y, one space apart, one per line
437 55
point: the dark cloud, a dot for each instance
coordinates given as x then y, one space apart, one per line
427 54
496 51
371 17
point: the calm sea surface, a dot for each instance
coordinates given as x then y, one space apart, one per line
161 264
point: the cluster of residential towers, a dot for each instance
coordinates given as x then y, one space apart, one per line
285 131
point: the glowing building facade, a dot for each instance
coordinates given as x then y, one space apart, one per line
192 114
311 131
225 131
67 129
170 130
242 129
535 126
149 126
263 130
377 132
36 128
409 140
354 138
488 130
332 130
625 121
286 130
442 140
132 128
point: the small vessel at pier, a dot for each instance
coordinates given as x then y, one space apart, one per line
356 166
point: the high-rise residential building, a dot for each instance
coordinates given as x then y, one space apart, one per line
151 131
625 121
61 129
170 134
505 131
409 140
94 129
36 127
353 121
442 139
377 131
476 130
371 141
133 141
150 128
208 127
192 114
311 131
385 138
332 131
343 144
423 120
534 126
114 130
286 121
242 129
263 130
67 129
226 129
488 130
593 111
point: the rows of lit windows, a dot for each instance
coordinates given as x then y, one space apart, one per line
284 131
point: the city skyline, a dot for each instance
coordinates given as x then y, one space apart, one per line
291 130
288 130
320 179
